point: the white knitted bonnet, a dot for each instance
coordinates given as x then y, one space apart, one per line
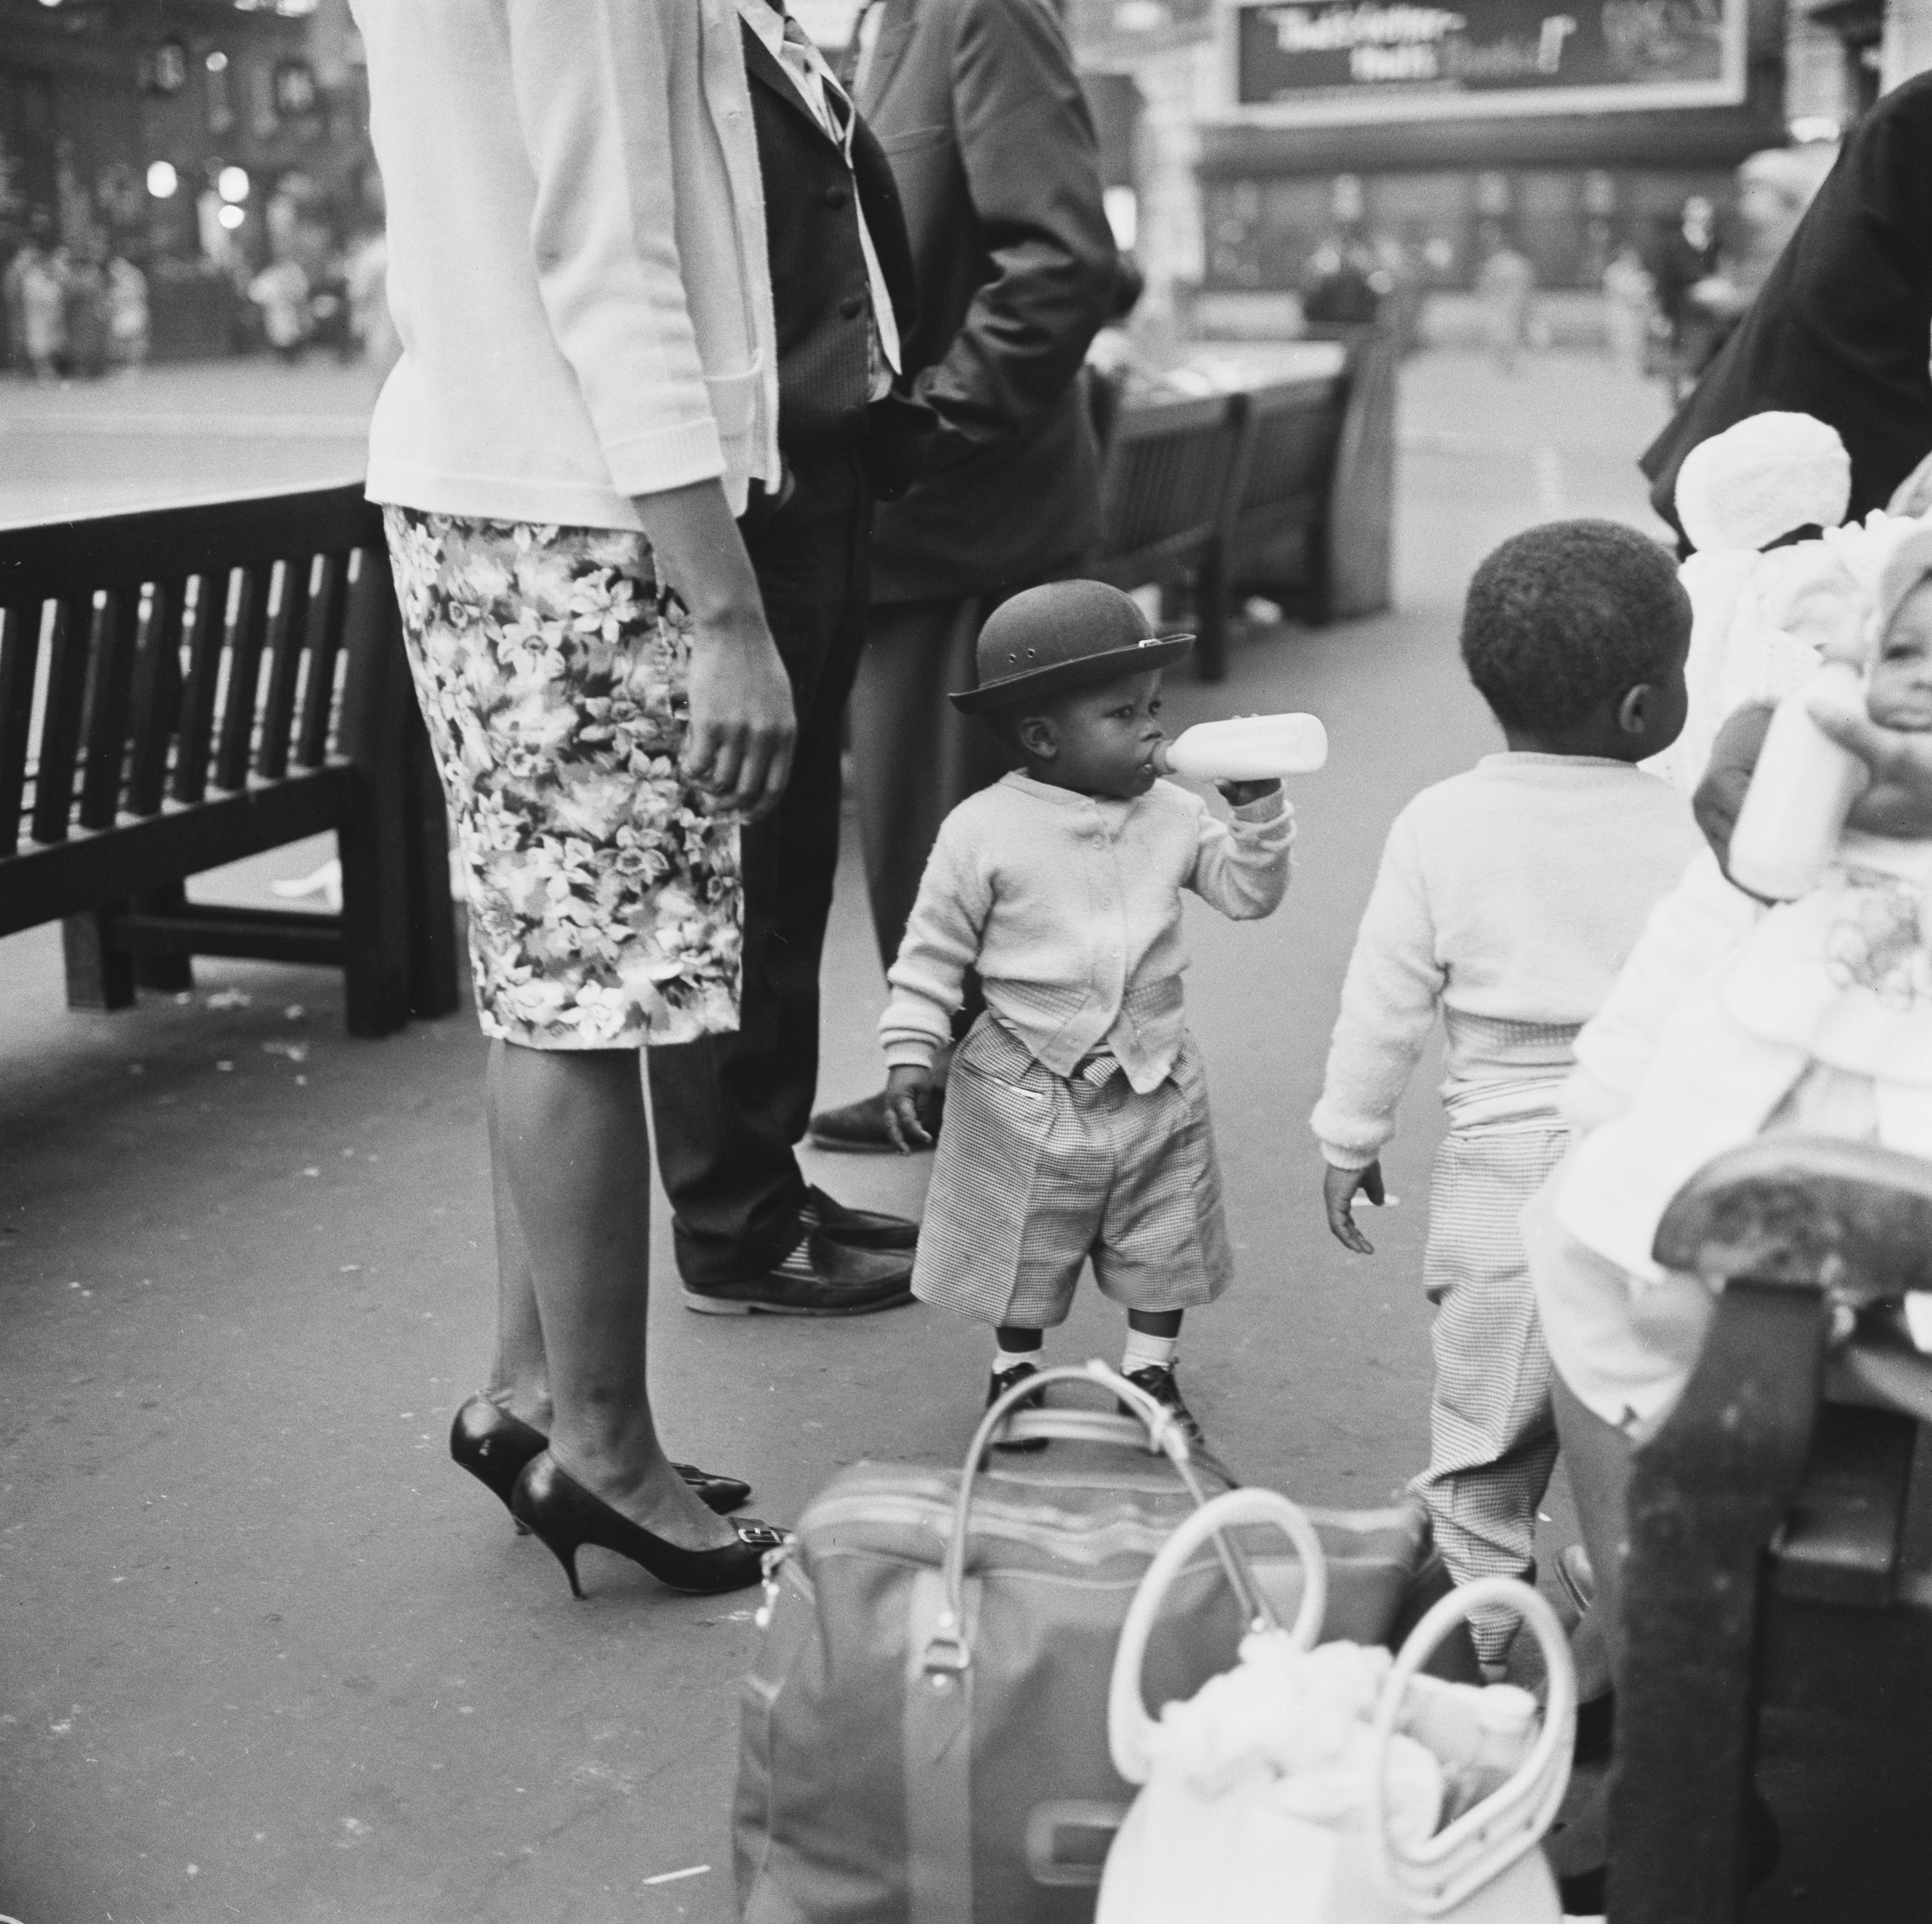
1762 478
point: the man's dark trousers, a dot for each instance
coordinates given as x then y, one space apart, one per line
729 1108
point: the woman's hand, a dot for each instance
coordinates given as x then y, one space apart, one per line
743 726
1338 1190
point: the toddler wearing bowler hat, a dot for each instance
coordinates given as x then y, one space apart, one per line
1076 1123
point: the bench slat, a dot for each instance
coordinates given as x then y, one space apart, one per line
19 664
285 645
328 611
44 883
157 696
106 731
205 633
60 725
245 642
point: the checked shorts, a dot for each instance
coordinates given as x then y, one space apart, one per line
1037 1172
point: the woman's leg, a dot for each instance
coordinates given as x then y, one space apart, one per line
520 1376
570 1138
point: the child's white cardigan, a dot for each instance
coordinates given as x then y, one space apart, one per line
1723 1011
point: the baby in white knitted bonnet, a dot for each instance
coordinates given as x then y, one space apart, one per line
1758 619
1733 1020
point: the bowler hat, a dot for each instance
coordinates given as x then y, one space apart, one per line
1064 635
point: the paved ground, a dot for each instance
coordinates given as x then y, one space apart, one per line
267 1656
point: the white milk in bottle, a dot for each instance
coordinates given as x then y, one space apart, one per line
1803 788
1247 748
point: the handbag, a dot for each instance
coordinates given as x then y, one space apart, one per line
1310 1785
924 1734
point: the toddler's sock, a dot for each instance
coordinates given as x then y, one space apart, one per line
1148 1352
1005 1359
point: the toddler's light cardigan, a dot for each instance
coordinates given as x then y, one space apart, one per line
1510 895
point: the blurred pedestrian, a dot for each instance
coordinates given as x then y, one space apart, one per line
978 103
1628 309
281 294
84 298
369 321
43 314
1505 290
1839 329
1340 288
128 317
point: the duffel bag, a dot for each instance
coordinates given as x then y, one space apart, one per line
924 1732
1333 1785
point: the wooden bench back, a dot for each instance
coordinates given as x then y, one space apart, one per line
1289 456
1167 473
146 657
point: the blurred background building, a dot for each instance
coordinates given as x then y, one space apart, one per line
1259 154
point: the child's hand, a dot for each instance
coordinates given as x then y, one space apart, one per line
1339 1188
904 1085
1241 794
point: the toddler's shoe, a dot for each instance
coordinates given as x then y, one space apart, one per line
1003 1380
1160 1384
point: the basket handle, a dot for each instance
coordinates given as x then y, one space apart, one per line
947 1653
1128 1726
1442 1872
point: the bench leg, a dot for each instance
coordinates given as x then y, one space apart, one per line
1706 1495
99 973
435 988
375 915
172 975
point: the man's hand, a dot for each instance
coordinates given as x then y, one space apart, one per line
743 727
905 1084
1239 794
1338 1190
1899 801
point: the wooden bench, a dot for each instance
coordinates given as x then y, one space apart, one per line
1309 522
1163 502
1777 1538
1283 490
182 687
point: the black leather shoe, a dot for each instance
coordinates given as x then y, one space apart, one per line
494 1446
566 1517
860 1129
857 1228
820 1278
1578 1579
1160 1384
1003 1380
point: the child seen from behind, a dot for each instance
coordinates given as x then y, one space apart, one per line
1507 899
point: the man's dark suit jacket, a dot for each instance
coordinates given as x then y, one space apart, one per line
977 105
1842 329
820 288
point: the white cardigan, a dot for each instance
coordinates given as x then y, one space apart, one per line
577 258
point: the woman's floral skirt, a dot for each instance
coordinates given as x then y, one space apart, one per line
605 910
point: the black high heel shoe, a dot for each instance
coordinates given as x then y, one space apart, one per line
494 1446
560 1510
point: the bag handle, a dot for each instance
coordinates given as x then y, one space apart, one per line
947 1654
1128 1726
1442 1872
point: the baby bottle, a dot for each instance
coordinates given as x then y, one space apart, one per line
1794 813
1246 748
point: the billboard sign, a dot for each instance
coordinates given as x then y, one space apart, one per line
1309 61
